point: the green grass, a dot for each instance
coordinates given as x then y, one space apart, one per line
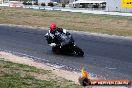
13 75
113 25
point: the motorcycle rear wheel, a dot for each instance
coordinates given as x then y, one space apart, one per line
56 50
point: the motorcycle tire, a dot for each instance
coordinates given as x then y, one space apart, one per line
56 50
78 51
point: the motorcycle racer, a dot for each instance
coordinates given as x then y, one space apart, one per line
50 36
62 41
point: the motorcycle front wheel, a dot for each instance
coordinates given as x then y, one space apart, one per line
78 51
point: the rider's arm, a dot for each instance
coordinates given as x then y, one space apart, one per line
49 38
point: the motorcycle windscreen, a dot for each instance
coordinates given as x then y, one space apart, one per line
65 39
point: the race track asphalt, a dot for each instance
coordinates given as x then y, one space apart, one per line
106 58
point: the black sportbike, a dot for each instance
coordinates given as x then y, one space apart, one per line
64 43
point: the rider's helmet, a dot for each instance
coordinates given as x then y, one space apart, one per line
52 27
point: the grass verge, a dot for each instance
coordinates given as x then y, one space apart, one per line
113 25
13 75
